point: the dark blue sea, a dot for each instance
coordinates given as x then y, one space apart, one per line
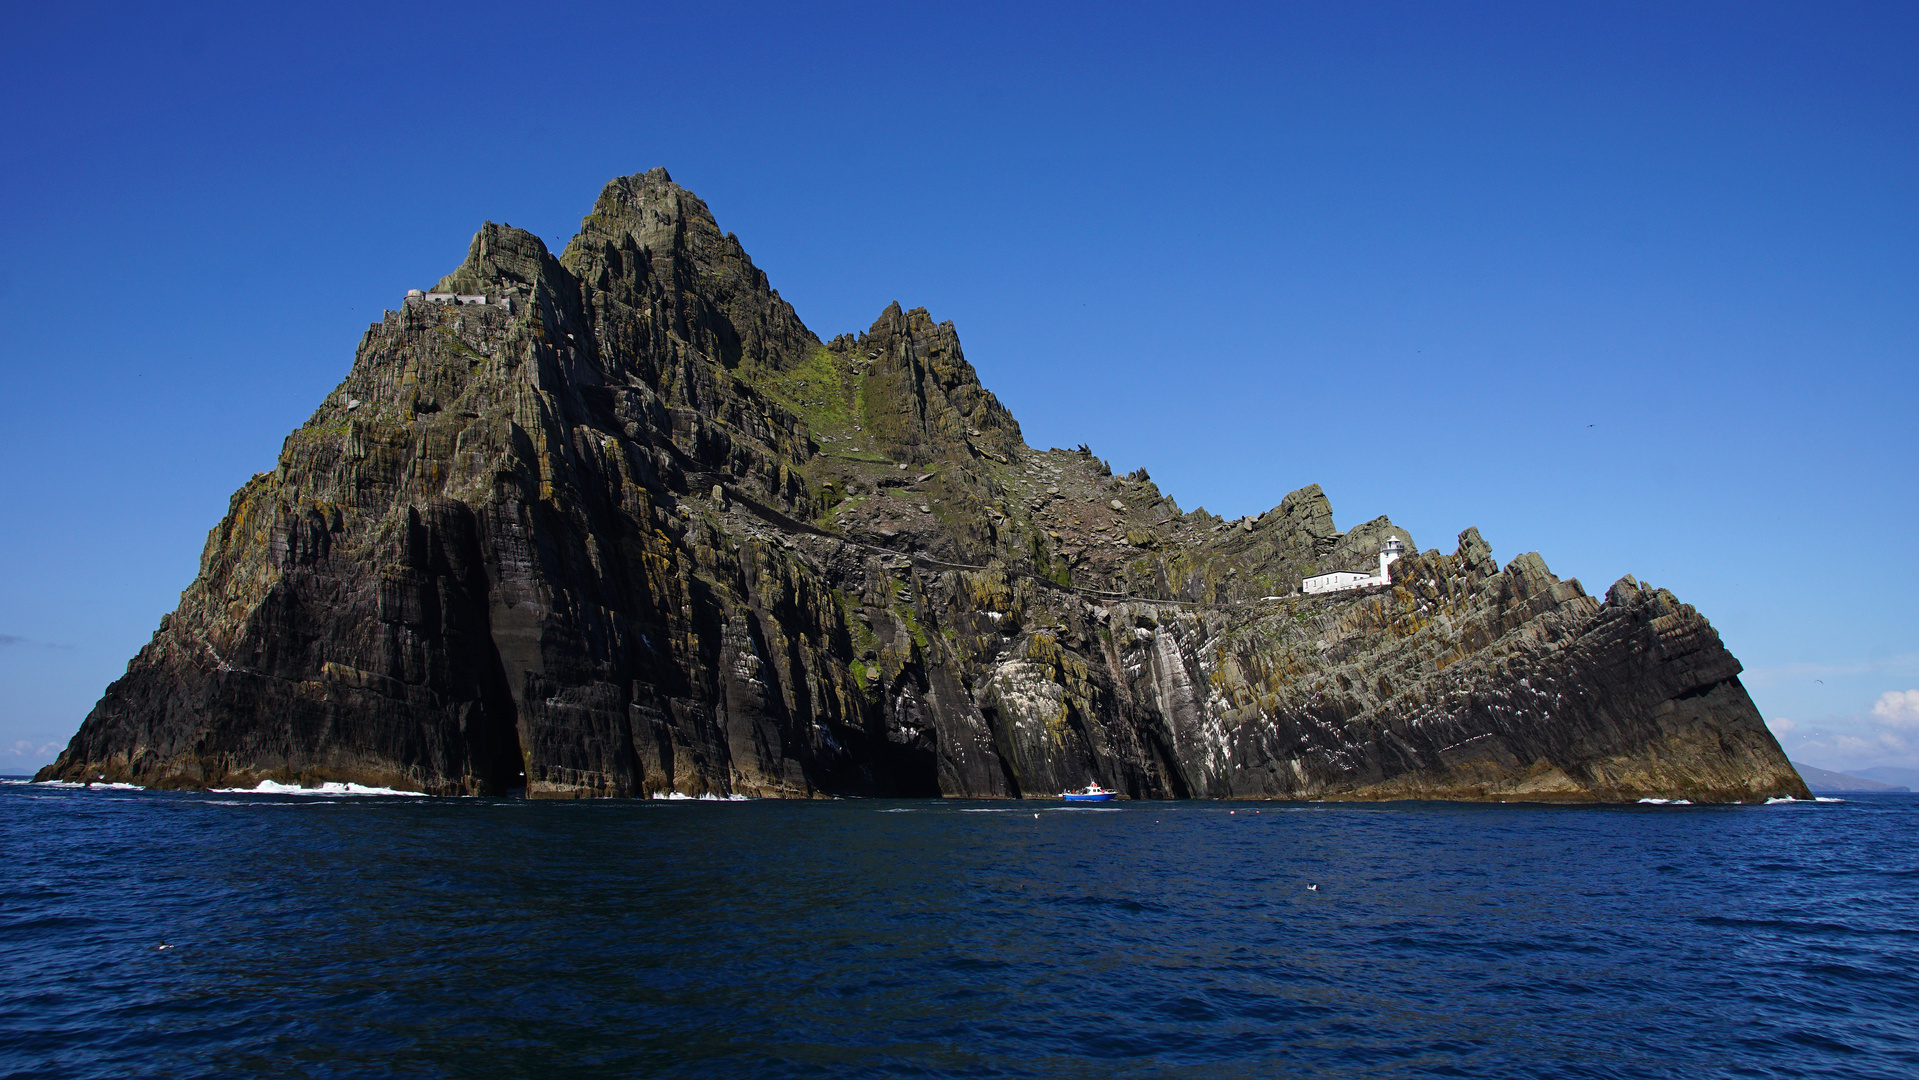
198 935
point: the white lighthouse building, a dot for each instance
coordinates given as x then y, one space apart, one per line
1340 580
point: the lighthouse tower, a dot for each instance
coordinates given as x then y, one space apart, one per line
1388 553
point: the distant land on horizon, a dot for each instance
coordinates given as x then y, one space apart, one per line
1889 774
1828 782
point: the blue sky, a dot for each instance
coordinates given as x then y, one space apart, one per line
1632 286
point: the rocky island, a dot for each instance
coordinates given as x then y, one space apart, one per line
616 523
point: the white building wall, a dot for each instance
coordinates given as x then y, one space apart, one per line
1336 581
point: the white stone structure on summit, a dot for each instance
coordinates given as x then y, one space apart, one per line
413 295
1340 580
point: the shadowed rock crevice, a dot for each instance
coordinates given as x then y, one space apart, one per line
625 526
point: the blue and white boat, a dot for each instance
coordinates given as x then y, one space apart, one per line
1089 793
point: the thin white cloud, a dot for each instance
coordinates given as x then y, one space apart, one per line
1898 708
1781 724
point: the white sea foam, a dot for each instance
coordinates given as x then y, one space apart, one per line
680 796
1667 802
97 785
270 787
1826 798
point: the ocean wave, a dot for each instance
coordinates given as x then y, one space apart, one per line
336 790
676 796
1666 802
97 785
1028 809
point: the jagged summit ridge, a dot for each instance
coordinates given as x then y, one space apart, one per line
628 527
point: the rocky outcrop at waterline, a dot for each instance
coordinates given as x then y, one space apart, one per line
617 523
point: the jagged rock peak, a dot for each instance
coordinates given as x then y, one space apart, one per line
625 526
1475 553
1310 512
497 253
654 212
925 400
652 251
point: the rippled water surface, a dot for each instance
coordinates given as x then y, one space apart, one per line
368 936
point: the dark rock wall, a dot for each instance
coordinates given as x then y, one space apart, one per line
631 528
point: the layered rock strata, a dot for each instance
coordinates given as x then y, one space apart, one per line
628 528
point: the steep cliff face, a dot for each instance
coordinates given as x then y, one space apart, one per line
629 527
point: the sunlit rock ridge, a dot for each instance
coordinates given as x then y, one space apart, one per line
619 524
